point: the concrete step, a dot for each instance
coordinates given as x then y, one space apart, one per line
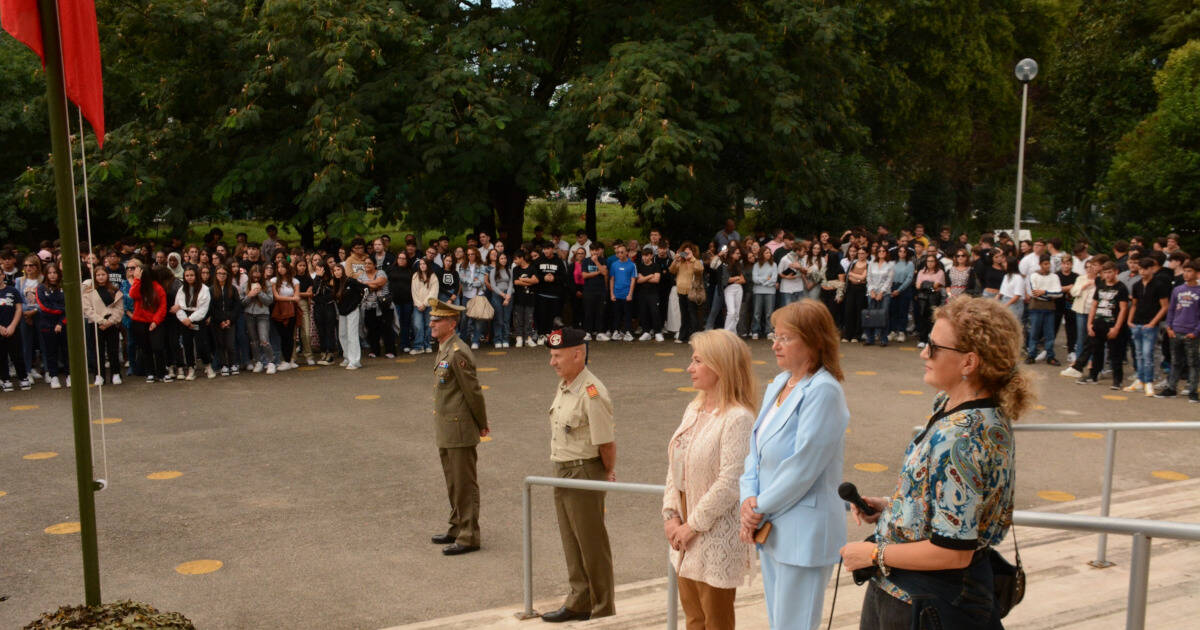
1063 591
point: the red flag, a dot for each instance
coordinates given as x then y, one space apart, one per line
80 38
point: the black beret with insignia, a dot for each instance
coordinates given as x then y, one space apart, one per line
564 338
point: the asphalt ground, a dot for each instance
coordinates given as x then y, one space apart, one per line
319 504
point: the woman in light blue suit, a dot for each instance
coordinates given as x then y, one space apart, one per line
795 465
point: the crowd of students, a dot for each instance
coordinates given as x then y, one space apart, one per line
174 311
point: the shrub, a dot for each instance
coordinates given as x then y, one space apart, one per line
124 615
553 216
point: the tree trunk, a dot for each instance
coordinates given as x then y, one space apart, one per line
962 202
590 192
307 235
509 201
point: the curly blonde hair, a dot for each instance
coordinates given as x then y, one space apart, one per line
991 331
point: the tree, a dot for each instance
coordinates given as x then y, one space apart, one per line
1154 181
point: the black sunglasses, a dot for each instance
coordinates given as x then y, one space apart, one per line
933 349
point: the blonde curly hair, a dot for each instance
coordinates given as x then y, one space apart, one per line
991 331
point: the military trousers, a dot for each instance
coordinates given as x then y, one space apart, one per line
585 540
462 487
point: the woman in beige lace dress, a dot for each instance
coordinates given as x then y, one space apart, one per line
700 504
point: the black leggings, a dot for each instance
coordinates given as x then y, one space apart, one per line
287 337
379 325
856 302
195 342
105 360
687 317
327 327
225 341
150 343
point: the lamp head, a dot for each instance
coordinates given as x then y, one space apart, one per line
1026 70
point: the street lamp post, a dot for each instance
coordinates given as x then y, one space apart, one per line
1026 70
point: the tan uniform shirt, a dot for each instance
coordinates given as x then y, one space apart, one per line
581 419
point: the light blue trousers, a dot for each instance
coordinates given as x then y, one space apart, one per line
795 595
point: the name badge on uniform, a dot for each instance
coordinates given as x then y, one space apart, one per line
592 392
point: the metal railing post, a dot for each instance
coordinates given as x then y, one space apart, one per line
527 551
672 595
1139 580
1101 561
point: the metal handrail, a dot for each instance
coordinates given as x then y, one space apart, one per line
1110 443
1141 530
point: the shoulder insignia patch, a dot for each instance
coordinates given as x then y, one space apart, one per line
462 363
592 391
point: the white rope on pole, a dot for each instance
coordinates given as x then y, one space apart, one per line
87 213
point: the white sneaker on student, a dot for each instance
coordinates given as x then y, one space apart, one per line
116 379
191 374
427 351
271 368
344 363
587 336
354 366
474 346
149 378
310 360
900 338
98 381
658 337
282 367
1041 356
1071 372
258 368
645 337
209 372
54 384
1136 385
68 380
520 342
628 336
602 337
225 370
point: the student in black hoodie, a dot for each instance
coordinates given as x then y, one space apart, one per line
225 305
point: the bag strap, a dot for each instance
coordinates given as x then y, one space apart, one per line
1016 548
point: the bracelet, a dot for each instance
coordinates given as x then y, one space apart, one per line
881 563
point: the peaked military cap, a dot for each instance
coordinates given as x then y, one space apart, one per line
438 308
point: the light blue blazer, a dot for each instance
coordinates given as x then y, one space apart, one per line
796 473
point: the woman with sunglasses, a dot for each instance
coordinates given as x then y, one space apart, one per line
961 276
954 495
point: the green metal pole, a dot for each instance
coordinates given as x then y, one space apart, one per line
76 346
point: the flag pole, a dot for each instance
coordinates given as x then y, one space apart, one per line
76 349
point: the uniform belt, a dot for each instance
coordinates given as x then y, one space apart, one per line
575 463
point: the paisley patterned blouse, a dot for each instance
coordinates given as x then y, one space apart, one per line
956 485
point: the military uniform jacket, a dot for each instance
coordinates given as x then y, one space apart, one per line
581 419
458 410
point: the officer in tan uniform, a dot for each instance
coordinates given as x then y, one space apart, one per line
459 420
582 446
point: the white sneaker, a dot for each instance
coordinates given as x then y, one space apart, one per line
258 368
209 372
149 378
520 342
353 366
658 337
921 345
297 365
282 367
54 384
475 346
754 336
628 336
428 350
645 337
116 379
99 381
892 336
771 336
1136 385
388 355
34 374
225 370
181 374
1070 358
1041 356
68 380
602 337
587 336
900 338
344 363
191 374
1149 390
310 361
1071 372
271 368
233 371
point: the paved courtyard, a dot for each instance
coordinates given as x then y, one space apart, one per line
315 491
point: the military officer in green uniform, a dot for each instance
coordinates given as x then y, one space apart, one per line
582 446
459 420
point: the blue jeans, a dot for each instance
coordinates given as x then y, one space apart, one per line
502 321
404 316
1145 340
1081 337
898 312
764 305
788 298
1041 328
420 327
878 334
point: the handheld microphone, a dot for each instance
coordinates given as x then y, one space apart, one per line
849 493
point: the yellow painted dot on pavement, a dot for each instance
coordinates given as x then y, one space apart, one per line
1114 397
367 397
199 567
687 389
485 387
41 455
497 353
390 377
673 370
488 369
870 467
164 474
911 392
1068 412
486 438
1056 495
3 493
70 527
664 354
307 368
1170 475
866 373
406 360
907 349
758 362
23 407
106 420
847 431
1088 435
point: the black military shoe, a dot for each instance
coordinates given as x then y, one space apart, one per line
442 539
566 614
457 549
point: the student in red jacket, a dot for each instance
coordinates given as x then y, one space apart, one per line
149 311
